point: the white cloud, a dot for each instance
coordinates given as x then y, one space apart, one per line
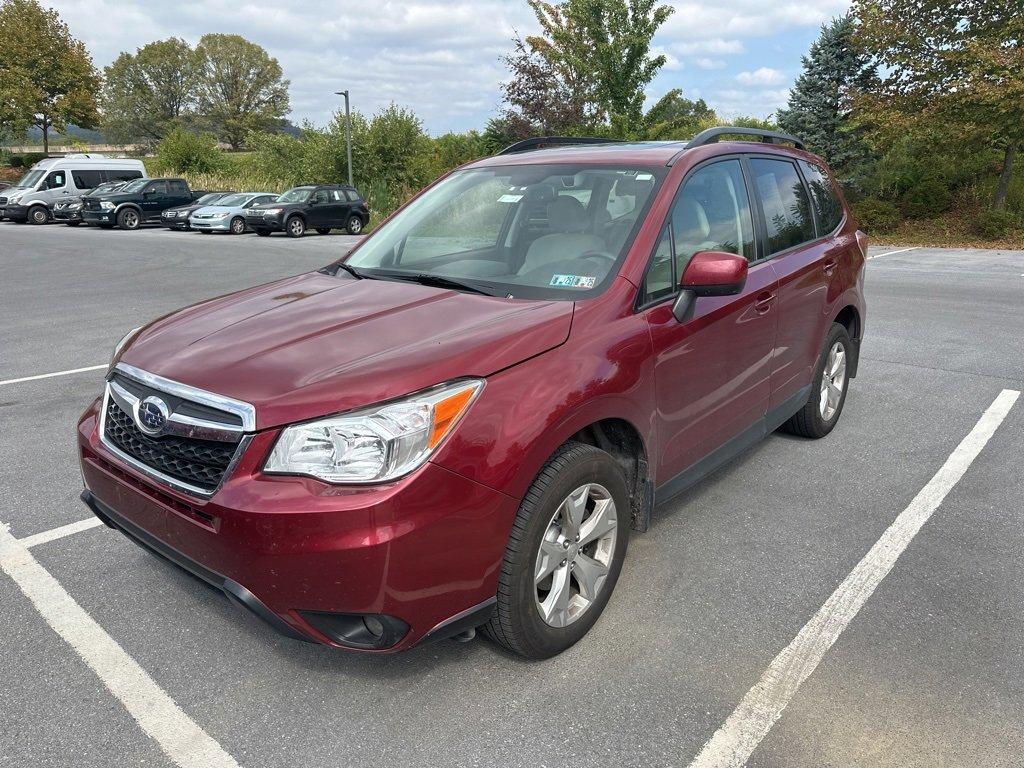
705 63
761 76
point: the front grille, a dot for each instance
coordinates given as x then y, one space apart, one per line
3 201
200 463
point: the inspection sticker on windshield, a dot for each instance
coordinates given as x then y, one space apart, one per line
573 281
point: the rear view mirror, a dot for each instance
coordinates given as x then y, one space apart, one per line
709 273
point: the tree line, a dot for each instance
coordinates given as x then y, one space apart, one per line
912 102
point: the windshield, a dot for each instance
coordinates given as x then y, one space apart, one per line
232 201
134 186
30 179
537 231
212 197
297 195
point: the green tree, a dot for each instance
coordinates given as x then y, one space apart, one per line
150 93
242 88
185 152
820 104
398 151
676 117
47 79
958 63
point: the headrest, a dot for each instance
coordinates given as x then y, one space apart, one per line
567 214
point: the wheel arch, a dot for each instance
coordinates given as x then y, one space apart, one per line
849 317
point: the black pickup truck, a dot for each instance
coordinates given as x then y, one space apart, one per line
138 202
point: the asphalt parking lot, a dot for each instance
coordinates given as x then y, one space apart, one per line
928 672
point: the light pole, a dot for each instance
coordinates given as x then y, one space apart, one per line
348 133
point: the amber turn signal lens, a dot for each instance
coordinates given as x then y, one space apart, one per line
447 412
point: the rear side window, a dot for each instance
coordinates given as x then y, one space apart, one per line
123 175
87 179
787 211
823 193
353 197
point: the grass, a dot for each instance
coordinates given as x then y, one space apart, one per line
953 229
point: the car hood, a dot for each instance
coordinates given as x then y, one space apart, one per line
218 209
313 344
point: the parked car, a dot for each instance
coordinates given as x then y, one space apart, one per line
140 202
178 216
69 210
458 424
323 208
228 214
55 178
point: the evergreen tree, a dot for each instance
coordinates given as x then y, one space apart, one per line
819 109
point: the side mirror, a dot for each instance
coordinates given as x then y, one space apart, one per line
709 273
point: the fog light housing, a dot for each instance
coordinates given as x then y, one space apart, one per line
371 631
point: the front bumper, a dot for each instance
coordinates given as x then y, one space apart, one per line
14 212
63 214
271 223
98 217
425 551
211 225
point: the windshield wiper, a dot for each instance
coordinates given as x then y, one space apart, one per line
351 270
440 281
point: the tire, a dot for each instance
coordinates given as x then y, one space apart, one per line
129 219
295 226
323 230
38 215
821 412
263 232
519 622
238 226
354 225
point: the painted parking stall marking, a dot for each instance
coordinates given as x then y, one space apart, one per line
54 374
184 742
890 253
734 742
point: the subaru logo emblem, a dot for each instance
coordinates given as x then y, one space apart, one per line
151 415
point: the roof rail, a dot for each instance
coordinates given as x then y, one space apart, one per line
543 142
712 135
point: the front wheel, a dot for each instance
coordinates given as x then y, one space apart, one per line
38 215
828 388
238 226
564 553
128 219
354 226
295 227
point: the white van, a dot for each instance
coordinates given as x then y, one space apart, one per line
57 178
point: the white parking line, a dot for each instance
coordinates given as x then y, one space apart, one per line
59 533
184 742
890 253
737 738
52 375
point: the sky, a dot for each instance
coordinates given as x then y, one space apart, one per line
443 59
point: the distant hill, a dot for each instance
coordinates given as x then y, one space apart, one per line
73 133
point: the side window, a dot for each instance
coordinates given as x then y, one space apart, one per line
178 188
157 187
710 213
787 211
337 196
353 197
823 192
87 179
320 196
123 175
55 180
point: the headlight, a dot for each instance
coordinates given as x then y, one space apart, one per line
377 444
182 214
74 206
220 215
123 343
106 205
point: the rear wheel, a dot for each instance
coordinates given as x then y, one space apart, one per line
564 553
295 227
38 215
354 226
129 218
238 226
828 388
323 230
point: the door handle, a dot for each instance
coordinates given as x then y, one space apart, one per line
763 302
829 266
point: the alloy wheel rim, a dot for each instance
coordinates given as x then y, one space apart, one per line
130 220
296 227
356 226
575 555
833 380
237 226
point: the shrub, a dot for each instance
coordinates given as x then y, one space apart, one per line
874 215
995 225
926 199
184 152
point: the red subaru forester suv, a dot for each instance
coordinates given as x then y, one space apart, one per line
457 425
